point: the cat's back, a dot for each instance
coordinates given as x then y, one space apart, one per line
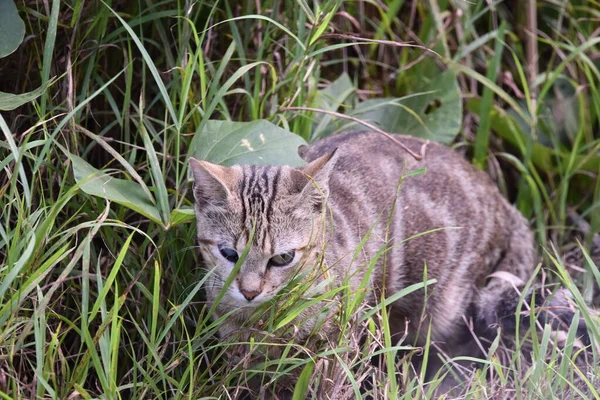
369 163
448 215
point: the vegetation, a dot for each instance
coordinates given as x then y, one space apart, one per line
100 288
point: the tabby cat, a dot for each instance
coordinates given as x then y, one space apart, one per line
451 219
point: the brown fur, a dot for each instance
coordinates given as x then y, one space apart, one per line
475 232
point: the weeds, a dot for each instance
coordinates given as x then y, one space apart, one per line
100 288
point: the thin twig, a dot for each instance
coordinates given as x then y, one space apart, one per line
368 125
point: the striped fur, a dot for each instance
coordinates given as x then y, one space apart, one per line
474 230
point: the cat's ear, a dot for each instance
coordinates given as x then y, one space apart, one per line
316 187
212 183
321 166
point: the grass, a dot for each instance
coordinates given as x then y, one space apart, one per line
100 288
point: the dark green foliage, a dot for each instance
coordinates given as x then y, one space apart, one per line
99 281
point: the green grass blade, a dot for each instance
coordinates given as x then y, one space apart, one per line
49 50
483 130
153 70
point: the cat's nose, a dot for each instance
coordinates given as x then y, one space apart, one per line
249 294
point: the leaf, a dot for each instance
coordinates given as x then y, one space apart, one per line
434 113
482 137
157 175
108 284
121 191
12 28
330 99
10 101
334 95
182 216
151 66
558 115
257 142
509 129
301 388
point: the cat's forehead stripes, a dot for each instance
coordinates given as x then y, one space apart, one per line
258 191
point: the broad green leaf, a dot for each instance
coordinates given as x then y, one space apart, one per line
257 142
434 113
10 101
334 95
121 191
182 216
423 72
12 28
330 99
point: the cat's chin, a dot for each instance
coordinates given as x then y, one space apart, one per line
251 304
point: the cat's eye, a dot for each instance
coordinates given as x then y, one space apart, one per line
229 254
283 259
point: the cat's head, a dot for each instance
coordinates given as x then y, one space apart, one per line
281 205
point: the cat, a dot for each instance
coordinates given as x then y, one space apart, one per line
451 219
